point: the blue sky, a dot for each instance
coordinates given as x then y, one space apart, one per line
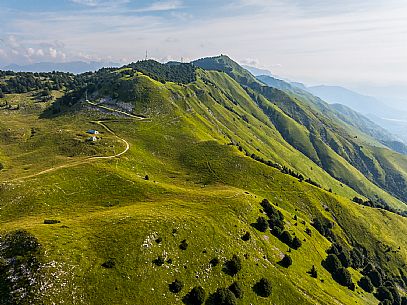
353 43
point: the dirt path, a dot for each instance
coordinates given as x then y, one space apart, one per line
83 161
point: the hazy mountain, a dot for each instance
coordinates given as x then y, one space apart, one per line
75 67
257 71
394 120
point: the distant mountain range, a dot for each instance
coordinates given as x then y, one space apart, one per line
377 110
75 67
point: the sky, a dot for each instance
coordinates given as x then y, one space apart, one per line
359 44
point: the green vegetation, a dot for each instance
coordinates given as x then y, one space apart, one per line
179 216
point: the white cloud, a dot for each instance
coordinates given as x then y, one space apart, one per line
160 6
250 62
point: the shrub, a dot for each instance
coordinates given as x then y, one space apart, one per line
313 272
375 277
159 261
246 236
276 231
366 284
19 243
237 290
384 293
357 258
286 261
195 297
176 286
343 277
296 243
286 238
308 231
223 296
263 288
386 302
183 245
261 224
214 262
233 266
332 263
110 263
146 177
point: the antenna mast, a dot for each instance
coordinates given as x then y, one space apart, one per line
146 54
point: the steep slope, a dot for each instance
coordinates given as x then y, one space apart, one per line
329 137
186 192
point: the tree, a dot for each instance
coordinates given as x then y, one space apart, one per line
183 245
313 272
332 263
224 296
196 296
366 284
1 93
383 293
233 266
286 261
246 236
343 277
263 288
286 238
176 286
237 290
276 231
214 262
262 224
296 243
375 277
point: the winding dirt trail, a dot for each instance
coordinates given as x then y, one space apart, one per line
80 162
89 159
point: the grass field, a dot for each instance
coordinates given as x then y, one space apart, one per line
199 189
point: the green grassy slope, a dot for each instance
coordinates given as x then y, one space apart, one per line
200 189
327 132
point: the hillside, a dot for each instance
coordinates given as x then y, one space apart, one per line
105 223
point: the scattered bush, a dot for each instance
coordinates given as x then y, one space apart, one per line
366 284
237 290
286 261
246 236
313 272
183 245
195 297
109 264
296 243
233 266
332 263
176 286
214 262
276 231
223 296
263 288
375 277
19 243
159 261
343 277
261 224
286 238
384 293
